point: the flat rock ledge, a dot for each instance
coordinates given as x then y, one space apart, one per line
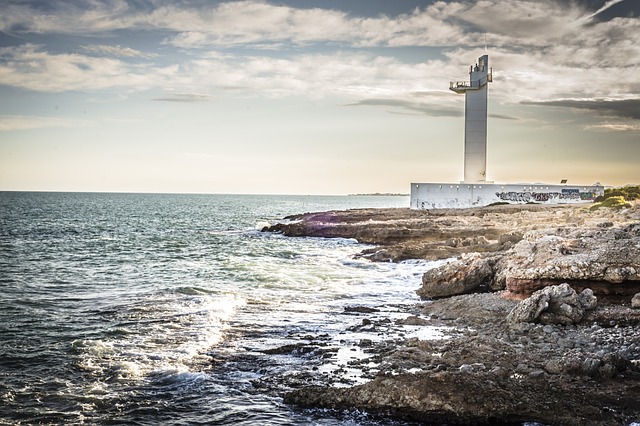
495 371
542 305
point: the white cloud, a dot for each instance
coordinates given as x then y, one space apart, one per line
28 66
618 127
127 52
261 24
540 50
185 97
23 122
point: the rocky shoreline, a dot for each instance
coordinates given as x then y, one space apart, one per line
537 304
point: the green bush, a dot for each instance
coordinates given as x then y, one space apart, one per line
615 202
628 193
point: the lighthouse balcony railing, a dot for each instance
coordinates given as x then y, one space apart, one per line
462 86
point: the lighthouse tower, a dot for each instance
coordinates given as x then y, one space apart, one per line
475 120
475 190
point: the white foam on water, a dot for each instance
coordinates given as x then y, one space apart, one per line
167 339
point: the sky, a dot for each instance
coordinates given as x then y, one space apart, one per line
312 96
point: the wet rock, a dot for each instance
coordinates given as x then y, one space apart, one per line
296 348
454 397
413 320
575 360
485 371
532 246
360 309
365 343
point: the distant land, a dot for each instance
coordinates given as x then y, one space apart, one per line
380 194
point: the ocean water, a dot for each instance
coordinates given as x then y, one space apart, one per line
154 309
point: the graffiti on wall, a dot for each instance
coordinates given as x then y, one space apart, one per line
542 197
588 196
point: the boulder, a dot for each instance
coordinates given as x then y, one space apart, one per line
559 304
635 302
529 309
458 277
607 260
587 299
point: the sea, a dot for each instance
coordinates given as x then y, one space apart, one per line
148 309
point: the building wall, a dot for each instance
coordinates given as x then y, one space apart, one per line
464 195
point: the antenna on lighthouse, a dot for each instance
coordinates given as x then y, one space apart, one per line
485 43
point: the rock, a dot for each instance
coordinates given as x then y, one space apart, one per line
532 246
413 320
587 300
552 305
529 309
537 374
590 366
360 309
493 371
635 302
294 349
465 368
607 260
458 277
510 238
554 366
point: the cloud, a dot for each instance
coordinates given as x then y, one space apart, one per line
617 127
541 50
350 75
259 23
29 67
518 23
185 97
78 18
442 108
127 52
23 122
411 106
263 24
624 108
503 116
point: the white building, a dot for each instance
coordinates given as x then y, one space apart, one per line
463 195
475 190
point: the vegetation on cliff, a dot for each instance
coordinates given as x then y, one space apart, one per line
628 193
617 198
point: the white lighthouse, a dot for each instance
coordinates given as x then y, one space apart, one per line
475 120
475 190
